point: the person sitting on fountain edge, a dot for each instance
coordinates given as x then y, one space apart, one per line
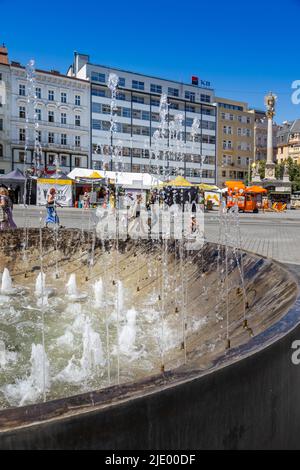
52 216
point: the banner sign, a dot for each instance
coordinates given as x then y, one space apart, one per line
64 193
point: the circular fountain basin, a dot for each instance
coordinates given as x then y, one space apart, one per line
173 356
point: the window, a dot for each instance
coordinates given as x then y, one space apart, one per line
190 109
77 100
174 106
98 77
21 157
63 97
51 137
64 160
138 85
38 136
77 140
63 139
98 92
190 95
63 118
22 112
22 135
96 124
1 124
155 88
96 108
50 95
205 98
137 99
126 112
154 102
51 159
22 91
239 160
50 116
38 114
145 115
77 161
121 96
77 120
173 91
121 81
1 150
38 92
0 77
105 109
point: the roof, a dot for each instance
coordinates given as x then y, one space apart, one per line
15 175
125 179
49 72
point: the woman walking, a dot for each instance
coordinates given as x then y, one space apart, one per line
52 216
6 206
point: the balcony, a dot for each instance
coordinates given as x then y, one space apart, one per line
53 124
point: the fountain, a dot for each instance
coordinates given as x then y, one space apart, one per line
6 284
72 291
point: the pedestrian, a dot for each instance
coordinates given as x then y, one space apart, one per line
52 216
86 200
6 218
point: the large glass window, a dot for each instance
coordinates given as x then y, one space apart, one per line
121 81
137 99
190 95
96 108
154 88
173 91
98 77
98 92
138 85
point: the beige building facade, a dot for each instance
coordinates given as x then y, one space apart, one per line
235 135
288 141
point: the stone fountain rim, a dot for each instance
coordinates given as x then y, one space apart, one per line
73 407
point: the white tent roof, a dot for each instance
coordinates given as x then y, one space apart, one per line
125 179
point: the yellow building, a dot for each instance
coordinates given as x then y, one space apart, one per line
234 141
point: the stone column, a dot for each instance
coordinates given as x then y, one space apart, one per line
270 165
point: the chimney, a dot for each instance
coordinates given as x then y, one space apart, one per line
3 55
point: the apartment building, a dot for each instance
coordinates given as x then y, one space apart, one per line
5 147
137 120
288 141
235 140
56 114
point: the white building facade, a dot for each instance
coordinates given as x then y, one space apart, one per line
137 119
5 112
58 117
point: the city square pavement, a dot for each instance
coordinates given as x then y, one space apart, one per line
270 234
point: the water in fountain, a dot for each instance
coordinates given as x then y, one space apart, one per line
83 368
98 293
6 284
72 290
34 386
128 333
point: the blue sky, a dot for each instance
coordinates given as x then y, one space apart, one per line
244 48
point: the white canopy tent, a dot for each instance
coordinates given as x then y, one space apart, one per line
125 179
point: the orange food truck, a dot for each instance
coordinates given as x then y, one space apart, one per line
248 199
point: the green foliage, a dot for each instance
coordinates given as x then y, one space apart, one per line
293 171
